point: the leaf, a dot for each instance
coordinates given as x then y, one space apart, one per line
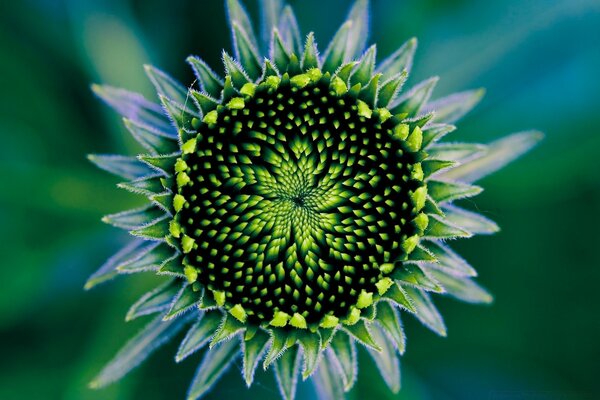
326 380
397 295
289 30
156 300
386 360
279 52
434 132
359 30
360 332
229 326
185 300
343 349
433 167
246 52
199 334
459 152
134 106
238 76
279 344
108 270
425 310
440 228
164 163
311 346
462 288
399 61
448 259
413 101
364 69
238 15
389 319
310 59
147 186
472 222
500 153
442 191
209 81
154 141
390 89
451 108
270 15
411 274
123 166
155 334
151 258
165 85
286 372
158 229
135 218
180 115
215 363
335 54
253 351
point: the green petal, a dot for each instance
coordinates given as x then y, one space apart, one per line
311 346
215 363
412 274
279 344
500 153
310 59
270 15
245 52
156 300
449 260
238 15
238 76
229 326
439 228
360 332
399 61
253 351
431 166
289 30
150 258
389 319
449 191
451 108
328 385
462 288
199 334
209 81
125 167
335 55
471 222
154 335
286 372
164 163
165 85
390 89
364 69
135 218
434 132
154 141
158 229
413 101
359 30
386 360
185 300
181 115
344 350
460 152
398 295
425 310
108 270
279 53
147 186
204 101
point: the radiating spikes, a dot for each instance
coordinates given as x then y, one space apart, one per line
359 30
270 13
150 258
399 61
363 71
310 58
209 81
389 319
311 346
137 349
238 15
245 52
289 30
238 76
442 191
279 53
472 222
165 85
360 332
199 334
344 350
439 228
413 101
412 274
425 310
451 108
134 107
462 288
500 153
108 270
390 89
460 152
335 55
386 360
125 167
185 300
253 351
135 218
286 372
156 230
215 363
154 141
156 300
328 385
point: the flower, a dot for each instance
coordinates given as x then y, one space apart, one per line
297 207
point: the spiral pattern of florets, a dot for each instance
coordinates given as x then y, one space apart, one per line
295 200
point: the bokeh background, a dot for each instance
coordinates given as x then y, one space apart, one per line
540 63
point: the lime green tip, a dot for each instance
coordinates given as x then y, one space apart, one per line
401 131
418 197
384 285
211 117
365 299
190 273
415 139
237 103
329 321
180 165
178 202
298 321
300 81
353 316
175 229
219 297
364 110
409 244
239 313
280 319
189 147
248 89
187 243
338 86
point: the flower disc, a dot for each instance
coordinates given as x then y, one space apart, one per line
292 199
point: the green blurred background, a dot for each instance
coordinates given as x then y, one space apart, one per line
540 62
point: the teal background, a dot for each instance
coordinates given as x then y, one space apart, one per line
540 63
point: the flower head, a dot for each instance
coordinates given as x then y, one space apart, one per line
296 205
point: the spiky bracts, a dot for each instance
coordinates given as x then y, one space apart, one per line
298 205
